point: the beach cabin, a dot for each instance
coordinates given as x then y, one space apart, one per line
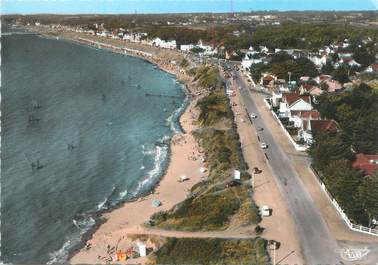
236 174
142 249
183 178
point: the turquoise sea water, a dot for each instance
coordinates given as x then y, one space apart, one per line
79 135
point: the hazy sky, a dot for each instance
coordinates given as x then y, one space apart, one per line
177 6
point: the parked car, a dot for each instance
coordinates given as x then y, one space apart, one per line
260 129
264 145
253 116
265 211
256 170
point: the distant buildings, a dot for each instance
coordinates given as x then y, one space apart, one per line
204 48
171 44
253 57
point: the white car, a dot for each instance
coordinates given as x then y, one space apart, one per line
264 145
253 116
265 211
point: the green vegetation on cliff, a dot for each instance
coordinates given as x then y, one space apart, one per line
213 202
213 251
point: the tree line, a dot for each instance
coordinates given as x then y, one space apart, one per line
333 153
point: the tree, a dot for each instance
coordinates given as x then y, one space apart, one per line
256 71
327 68
363 57
341 74
368 195
324 86
329 147
343 181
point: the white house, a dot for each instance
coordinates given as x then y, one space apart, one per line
276 98
319 61
187 47
134 37
294 102
208 49
311 127
264 49
299 116
164 44
250 58
347 61
372 68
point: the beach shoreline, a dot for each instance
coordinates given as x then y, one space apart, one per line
109 221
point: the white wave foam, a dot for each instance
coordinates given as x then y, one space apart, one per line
122 194
171 120
61 255
101 204
161 153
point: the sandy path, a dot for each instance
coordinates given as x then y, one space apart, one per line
202 234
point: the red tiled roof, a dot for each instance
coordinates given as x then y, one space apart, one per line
291 98
374 66
312 114
323 125
268 78
324 77
367 163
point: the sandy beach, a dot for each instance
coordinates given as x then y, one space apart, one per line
129 219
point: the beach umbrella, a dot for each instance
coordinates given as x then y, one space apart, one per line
156 203
120 255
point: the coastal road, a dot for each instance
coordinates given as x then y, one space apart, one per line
319 246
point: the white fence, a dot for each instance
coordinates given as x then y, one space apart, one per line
358 228
296 146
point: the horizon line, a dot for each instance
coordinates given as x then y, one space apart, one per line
205 12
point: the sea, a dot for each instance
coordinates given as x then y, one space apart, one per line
83 130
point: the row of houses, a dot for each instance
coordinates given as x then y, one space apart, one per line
298 110
336 54
204 47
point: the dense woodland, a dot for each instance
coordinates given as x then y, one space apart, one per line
308 36
356 113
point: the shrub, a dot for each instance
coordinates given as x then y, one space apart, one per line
212 251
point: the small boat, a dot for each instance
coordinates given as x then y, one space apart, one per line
36 105
36 165
33 119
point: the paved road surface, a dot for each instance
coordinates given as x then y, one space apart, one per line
316 240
